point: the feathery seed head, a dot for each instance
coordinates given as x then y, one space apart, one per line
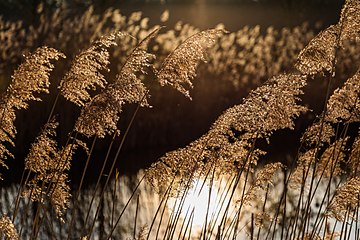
331 158
350 21
353 162
7 228
346 198
264 178
43 150
270 107
318 132
304 164
229 144
49 165
85 72
100 115
318 56
344 104
179 67
31 77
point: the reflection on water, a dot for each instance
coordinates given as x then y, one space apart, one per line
125 212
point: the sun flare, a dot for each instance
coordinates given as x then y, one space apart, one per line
200 203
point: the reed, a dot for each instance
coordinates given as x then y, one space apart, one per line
241 194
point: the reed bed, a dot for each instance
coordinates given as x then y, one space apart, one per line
314 195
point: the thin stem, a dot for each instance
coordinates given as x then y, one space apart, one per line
99 177
136 215
79 189
164 199
114 201
125 207
116 157
263 211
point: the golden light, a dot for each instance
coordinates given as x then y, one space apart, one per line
200 203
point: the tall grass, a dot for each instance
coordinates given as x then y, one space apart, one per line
315 196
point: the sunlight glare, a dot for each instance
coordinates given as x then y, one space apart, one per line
197 200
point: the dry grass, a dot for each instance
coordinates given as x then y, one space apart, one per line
254 200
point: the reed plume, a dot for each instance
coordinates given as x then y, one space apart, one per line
232 145
350 21
7 229
298 178
344 103
85 72
353 161
329 164
31 77
11 35
100 115
179 67
29 80
264 179
311 135
50 165
232 136
342 107
7 133
346 199
319 54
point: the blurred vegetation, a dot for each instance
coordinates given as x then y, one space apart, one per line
29 8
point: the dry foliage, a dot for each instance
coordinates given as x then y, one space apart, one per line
7 229
273 201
